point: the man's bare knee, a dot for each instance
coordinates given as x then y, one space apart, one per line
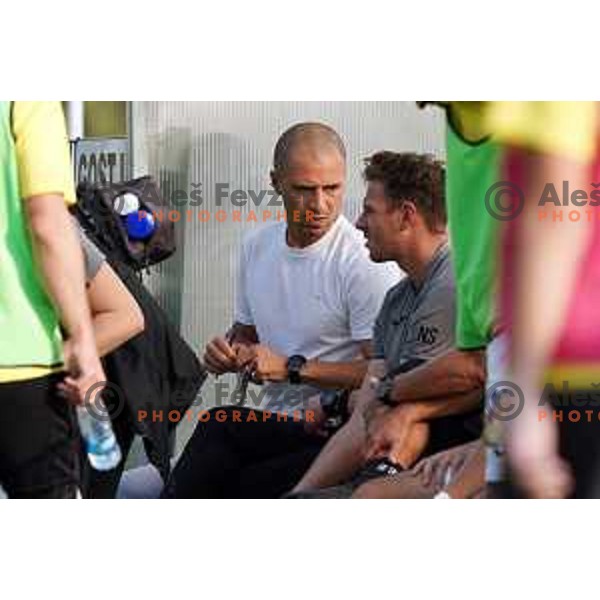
402 486
371 490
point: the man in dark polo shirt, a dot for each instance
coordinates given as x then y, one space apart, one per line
404 220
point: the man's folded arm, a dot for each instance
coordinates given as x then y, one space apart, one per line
456 404
347 375
452 373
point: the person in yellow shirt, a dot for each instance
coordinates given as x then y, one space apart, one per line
41 291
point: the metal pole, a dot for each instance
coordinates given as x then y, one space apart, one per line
75 113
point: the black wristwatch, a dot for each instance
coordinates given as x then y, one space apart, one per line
383 393
335 406
294 366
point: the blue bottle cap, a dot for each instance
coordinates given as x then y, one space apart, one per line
140 225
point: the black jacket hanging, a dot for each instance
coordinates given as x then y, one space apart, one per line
156 372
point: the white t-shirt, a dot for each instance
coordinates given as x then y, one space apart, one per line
319 301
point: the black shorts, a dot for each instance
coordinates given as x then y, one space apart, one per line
579 445
39 440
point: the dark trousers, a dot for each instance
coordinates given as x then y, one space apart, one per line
579 445
229 456
103 485
39 441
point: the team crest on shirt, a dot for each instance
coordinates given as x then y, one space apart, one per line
427 335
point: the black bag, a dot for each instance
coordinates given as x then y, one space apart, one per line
97 212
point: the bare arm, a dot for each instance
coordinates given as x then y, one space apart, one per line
59 258
116 316
401 433
270 366
457 404
545 268
344 375
452 373
545 278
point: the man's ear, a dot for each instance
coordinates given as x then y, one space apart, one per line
401 215
411 213
276 181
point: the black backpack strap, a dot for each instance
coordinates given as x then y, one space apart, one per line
11 111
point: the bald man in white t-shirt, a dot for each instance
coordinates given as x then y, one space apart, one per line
308 296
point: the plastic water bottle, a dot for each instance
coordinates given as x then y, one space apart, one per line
101 444
125 204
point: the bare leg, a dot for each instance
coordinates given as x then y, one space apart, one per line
340 459
404 485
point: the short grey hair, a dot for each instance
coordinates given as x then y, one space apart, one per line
317 134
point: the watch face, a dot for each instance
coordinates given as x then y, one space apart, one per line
384 389
294 365
328 399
